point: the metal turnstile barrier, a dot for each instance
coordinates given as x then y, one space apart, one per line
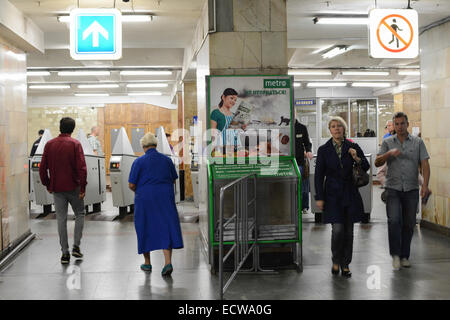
242 225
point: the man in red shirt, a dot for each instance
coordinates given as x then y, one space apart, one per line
63 159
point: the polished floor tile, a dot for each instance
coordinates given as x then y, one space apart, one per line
110 268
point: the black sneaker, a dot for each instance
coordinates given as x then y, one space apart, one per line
76 252
65 258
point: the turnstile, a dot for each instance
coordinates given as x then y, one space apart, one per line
119 171
38 192
96 183
366 192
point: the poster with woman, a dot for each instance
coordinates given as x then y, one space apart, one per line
250 116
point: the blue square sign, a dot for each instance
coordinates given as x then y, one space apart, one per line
95 34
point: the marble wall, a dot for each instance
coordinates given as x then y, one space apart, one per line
13 145
409 103
48 118
258 44
435 103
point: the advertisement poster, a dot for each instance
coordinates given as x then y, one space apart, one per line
250 116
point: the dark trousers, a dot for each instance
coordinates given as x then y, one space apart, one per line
305 190
401 208
342 242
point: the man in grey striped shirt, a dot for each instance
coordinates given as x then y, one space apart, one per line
403 154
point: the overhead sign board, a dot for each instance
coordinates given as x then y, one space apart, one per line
95 34
393 33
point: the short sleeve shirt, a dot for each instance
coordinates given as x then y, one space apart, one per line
403 170
95 144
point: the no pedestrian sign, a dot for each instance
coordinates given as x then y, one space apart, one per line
95 34
393 33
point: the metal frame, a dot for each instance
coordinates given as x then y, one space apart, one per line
244 244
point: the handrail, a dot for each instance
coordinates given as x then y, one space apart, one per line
241 247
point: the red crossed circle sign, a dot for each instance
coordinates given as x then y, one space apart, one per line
405 42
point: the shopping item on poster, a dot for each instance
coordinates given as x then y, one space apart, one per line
242 116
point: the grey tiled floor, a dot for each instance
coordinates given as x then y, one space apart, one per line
110 268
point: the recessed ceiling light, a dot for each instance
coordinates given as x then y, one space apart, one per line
125 18
326 84
335 51
309 73
38 73
98 86
409 73
144 73
341 20
49 86
365 73
147 85
91 94
371 84
297 84
150 93
136 18
83 73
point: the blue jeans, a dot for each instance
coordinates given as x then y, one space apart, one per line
305 190
401 208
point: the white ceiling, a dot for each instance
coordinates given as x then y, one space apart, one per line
161 42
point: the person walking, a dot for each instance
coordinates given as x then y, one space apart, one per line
36 143
403 154
302 151
156 221
63 159
336 195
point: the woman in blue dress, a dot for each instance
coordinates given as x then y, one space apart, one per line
152 178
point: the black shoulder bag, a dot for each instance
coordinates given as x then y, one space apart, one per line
359 176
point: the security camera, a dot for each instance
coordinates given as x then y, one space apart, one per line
125 0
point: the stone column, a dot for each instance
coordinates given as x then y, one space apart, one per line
250 38
409 103
189 111
435 100
13 146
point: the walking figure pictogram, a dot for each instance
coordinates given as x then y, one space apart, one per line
395 27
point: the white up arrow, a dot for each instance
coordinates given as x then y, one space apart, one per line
95 28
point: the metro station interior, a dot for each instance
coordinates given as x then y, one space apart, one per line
176 59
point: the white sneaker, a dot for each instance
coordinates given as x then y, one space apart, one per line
405 263
396 262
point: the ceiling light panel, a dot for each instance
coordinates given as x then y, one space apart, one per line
409 73
371 84
150 93
49 86
334 52
83 73
341 20
91 94
365 73
98 86
38 73
326 84
147 85
309 73
145 73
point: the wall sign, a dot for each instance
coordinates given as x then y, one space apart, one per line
95 34
393 33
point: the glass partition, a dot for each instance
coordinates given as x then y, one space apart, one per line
359 114
332 108
363 118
